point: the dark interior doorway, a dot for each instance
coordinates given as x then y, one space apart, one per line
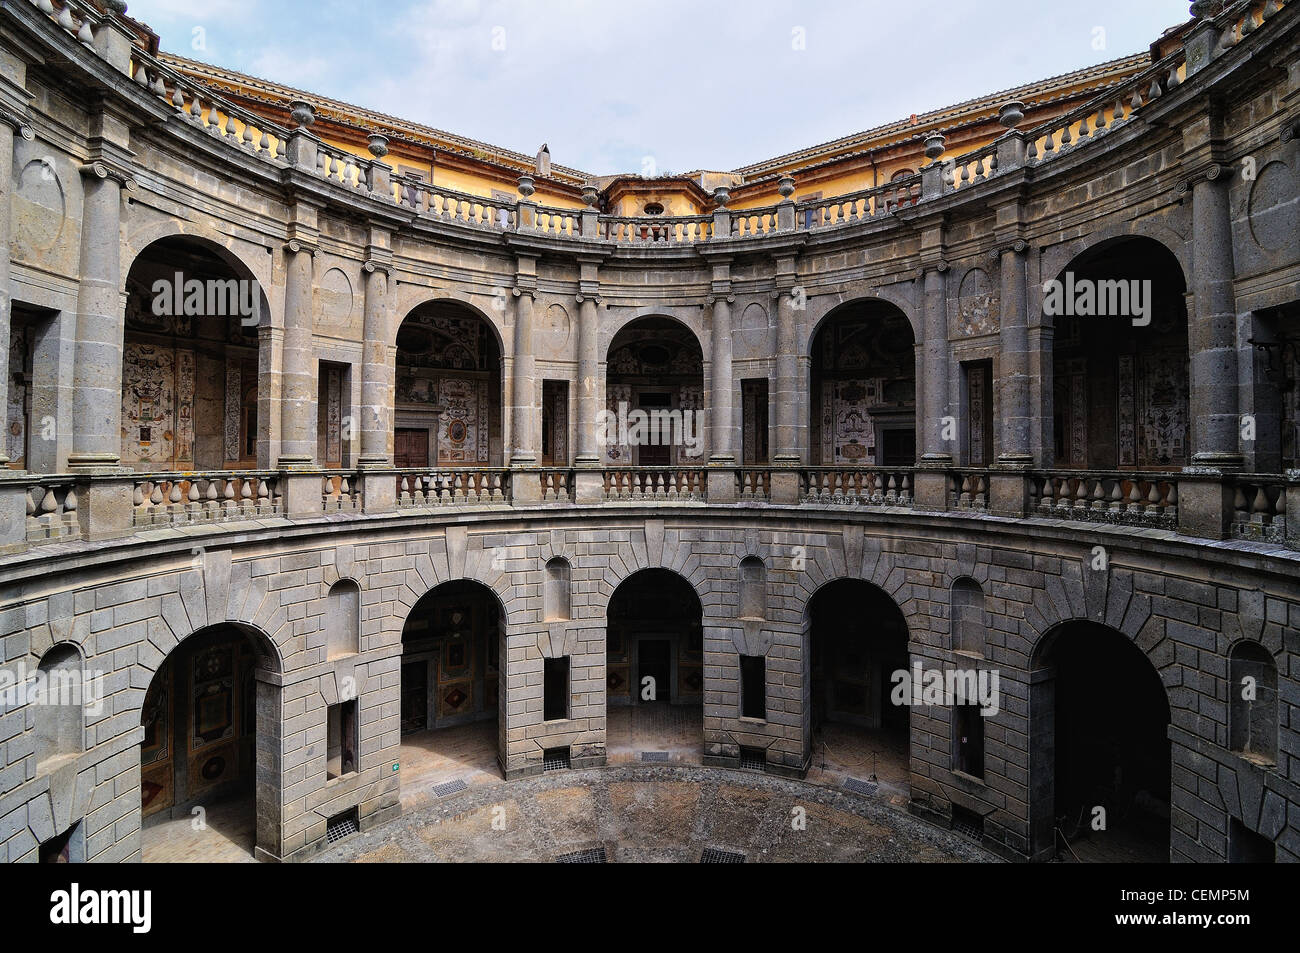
654 660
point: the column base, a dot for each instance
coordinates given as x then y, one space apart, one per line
1218 461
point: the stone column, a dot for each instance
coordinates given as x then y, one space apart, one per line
1016 414
97 366
8 122
789 452
523 384
376 369
1213 330
298 399
588 381
721 430
935 450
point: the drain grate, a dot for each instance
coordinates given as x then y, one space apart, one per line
654 755
594 855
716 855
861 787
555 759
448 788
967 823
341 825
753 759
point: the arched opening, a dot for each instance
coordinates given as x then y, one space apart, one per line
343 620
753 588
1120 359
1252 702
863 390
1099 749
969 630
558 595
190 362
451 682
654 395
654 669
857 639
59 706
203 792
448 397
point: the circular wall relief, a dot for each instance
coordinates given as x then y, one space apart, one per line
555 328
335 296
39 207
1274 208
978 310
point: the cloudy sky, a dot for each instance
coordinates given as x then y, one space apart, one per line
655 86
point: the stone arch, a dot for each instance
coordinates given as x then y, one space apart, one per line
1057 258
1131 675
260 268
633 558
446 296
902 296
863 377
689 319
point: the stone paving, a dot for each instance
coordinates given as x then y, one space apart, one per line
656 813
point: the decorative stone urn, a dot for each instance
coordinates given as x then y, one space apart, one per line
722 195
590 195
1011 114
526 186
785 185
378 145
934 145
116 6
304 114
1206 8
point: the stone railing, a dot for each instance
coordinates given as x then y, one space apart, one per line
750 222
1260 507
662 484
643 230
1142 499
50 507
459 487
217 116
77 17
341 492
970 169
180 499
43 509
565 222
857 486
968 489
857 206
753 483
447 205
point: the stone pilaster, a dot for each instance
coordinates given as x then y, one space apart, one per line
721 424
523 384
9 122
97 367
789 446
377 367
298 398
1014 384
1213 327
588 366
935 450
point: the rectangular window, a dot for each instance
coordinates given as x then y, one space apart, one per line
968 743
341 740
753 686
556 688
754 421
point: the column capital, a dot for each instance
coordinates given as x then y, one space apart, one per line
713 299
1209 172
104 169
17 121
1019 247
594 297
296 245
376 264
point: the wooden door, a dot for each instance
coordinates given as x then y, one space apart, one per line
410 448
